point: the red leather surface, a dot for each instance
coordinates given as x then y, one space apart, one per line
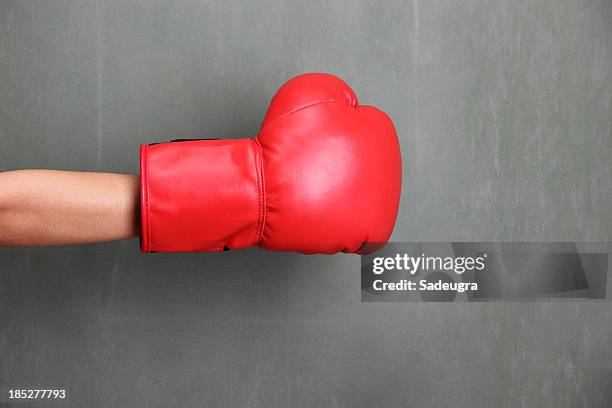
200 195
322 176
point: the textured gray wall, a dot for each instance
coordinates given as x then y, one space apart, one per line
505 118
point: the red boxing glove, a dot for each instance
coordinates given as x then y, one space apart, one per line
322 176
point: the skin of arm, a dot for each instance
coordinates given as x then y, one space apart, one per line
51 207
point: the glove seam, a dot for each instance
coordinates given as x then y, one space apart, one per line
145 198
310 105
261 192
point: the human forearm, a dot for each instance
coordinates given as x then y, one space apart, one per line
49 207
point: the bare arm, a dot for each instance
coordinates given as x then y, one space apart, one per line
49 207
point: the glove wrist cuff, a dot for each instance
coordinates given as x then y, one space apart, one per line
201 195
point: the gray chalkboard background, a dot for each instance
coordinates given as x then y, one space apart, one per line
504 111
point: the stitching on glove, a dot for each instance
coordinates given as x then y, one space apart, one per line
145 197
261 192
284 115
